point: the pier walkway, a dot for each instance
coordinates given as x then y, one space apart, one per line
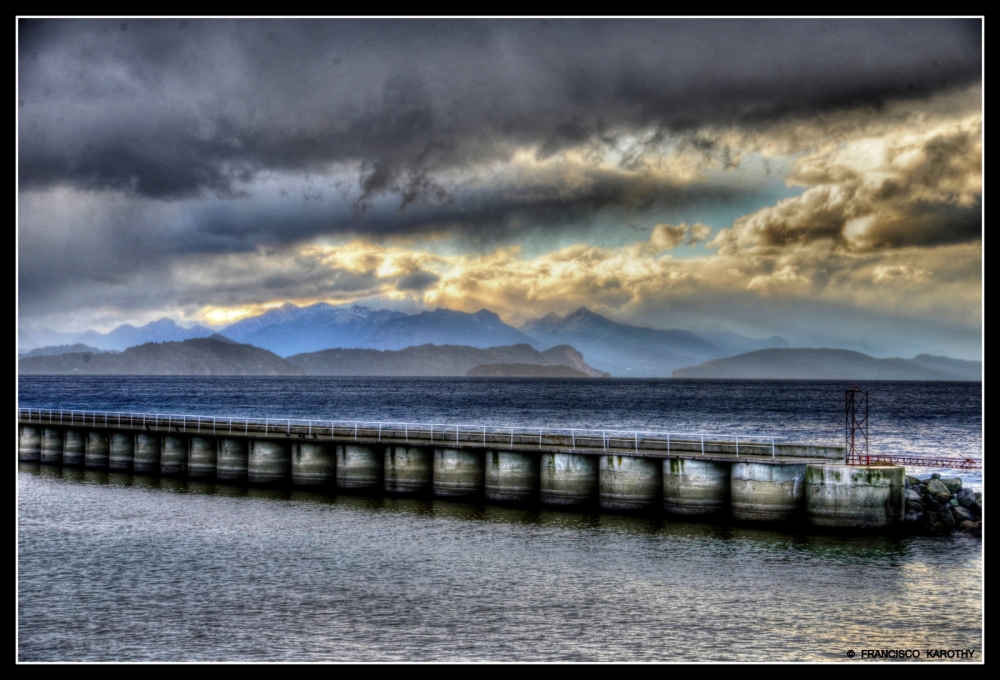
701 445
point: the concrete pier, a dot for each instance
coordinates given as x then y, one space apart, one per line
174 456
29 444
269 462
695 487
568 479
762 492
458 473
408 469
313 464
511 477
121 452
52 446
74 448
855 497
630 483
232 463
760 482
203 455
96 455
360 467
147 454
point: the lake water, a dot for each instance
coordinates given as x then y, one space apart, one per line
122 567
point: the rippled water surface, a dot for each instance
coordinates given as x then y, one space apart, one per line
116 567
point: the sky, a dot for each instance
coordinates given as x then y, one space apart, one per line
820 179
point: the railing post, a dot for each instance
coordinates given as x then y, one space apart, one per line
311 429
572 433
484 434
668 443
539 438
512 437
737 447
604 439
380 431
636 442
355 430
772 447
406 432
703 445
456 434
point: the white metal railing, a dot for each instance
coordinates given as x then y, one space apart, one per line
575 439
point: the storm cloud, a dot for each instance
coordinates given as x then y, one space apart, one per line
167 111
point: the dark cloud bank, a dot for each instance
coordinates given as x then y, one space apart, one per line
170 111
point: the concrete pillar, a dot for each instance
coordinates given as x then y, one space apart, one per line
459 473
314 464
568 479
96 454
511 477
630 482
202 457
147 454
29 444
122 452
174 456
52 446
855 497
360 467
695 487
269 462
408 469
767 493
233 460
74 448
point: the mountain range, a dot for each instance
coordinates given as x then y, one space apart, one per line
121 338
620 349
290 329
218 355
608 346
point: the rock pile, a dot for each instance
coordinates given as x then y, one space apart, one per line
941 507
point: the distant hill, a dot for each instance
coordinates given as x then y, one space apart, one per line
434 360
53 350
202 356
733 343
621 349
291 329
448 327
831 364
523 371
